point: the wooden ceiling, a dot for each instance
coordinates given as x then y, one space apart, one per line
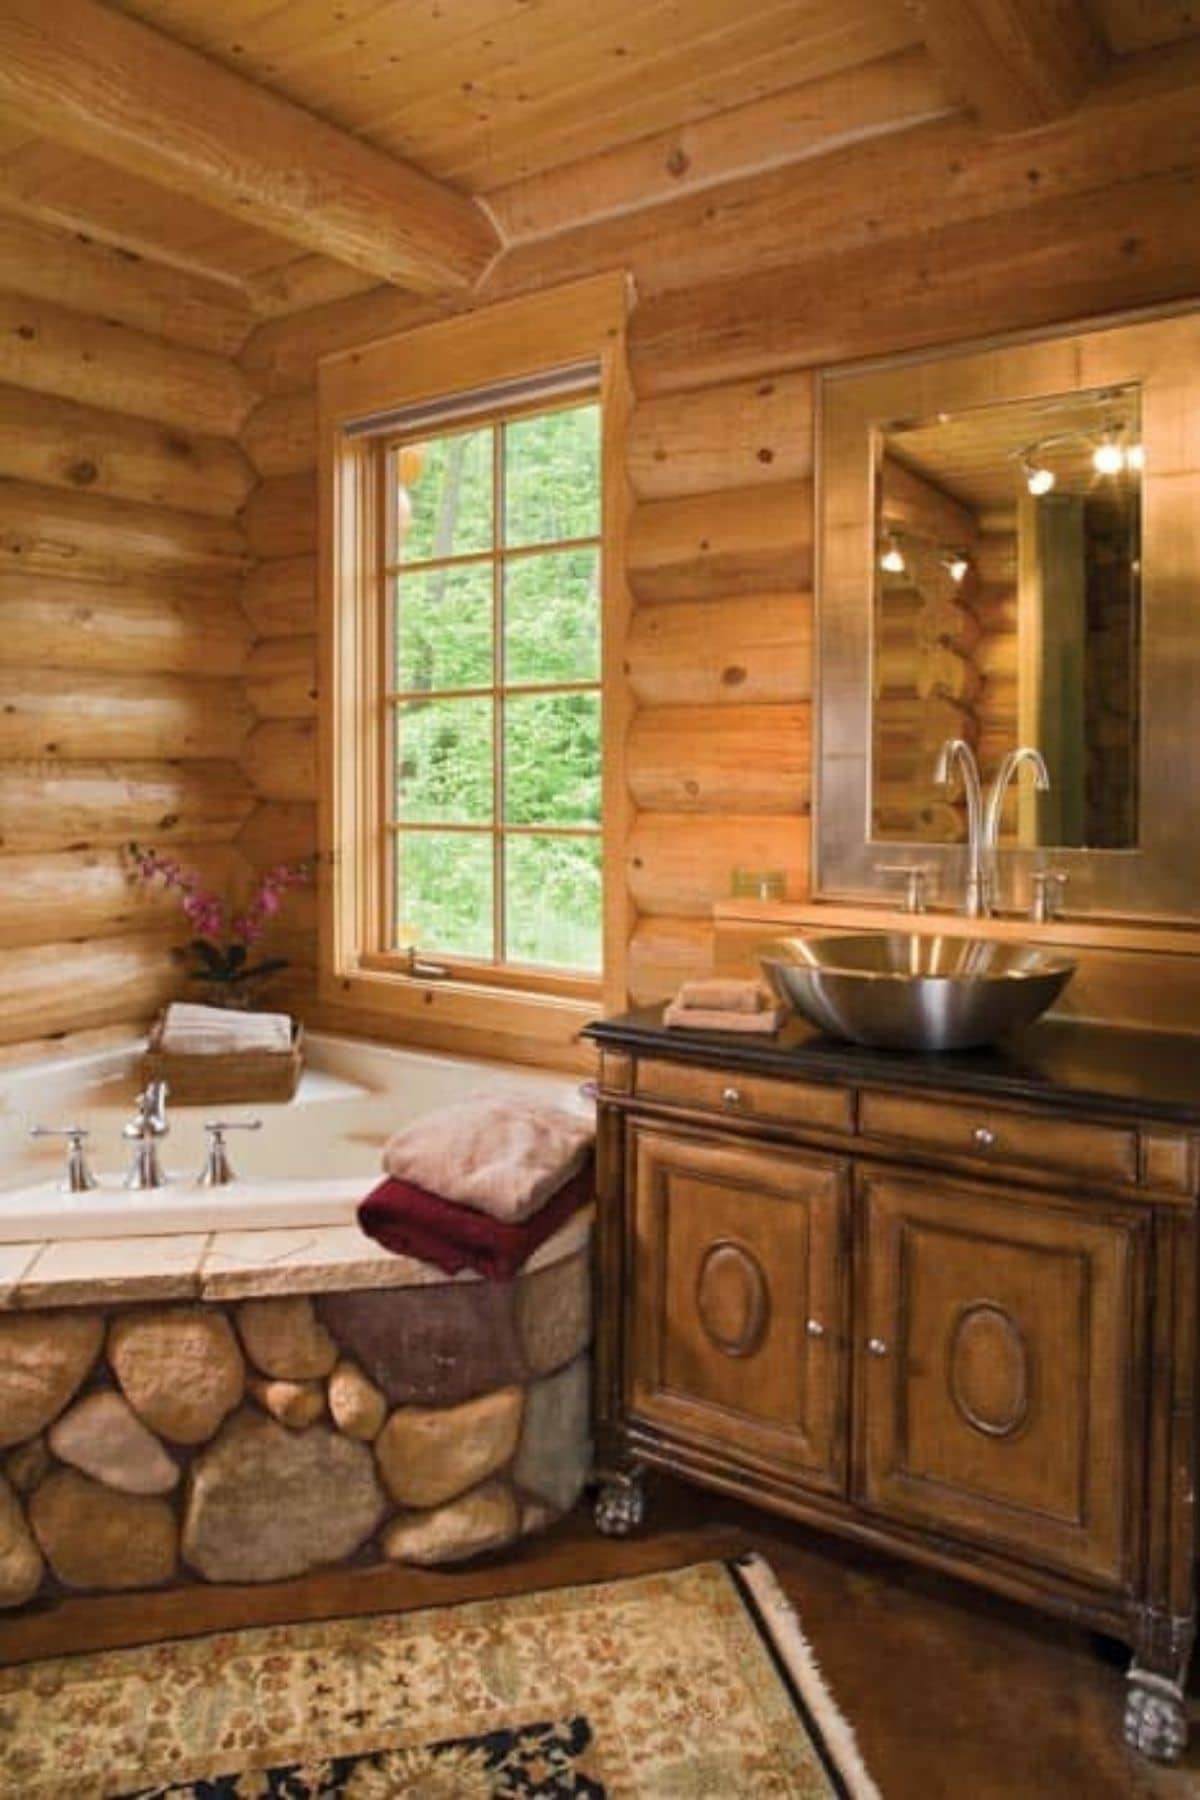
482 92
519 103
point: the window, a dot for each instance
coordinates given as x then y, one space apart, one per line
473 613
491 574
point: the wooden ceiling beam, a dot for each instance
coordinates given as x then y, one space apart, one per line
1018 63
118 90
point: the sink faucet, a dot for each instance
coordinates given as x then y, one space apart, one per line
995 801
976 899
148 1124
983 818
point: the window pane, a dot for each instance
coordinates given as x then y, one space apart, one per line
553 901
552 617
552 759
447 483
444 761
444 627
444 891
552 476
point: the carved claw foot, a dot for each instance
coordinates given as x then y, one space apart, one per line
1156 1722
620 1505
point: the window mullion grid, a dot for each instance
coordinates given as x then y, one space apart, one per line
499 897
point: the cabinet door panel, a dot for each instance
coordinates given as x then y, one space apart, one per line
1000 1370
738 1324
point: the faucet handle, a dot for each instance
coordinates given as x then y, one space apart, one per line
79 1178
916 882
1046 899
218 1170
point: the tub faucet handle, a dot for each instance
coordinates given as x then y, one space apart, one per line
218 1170
78 1178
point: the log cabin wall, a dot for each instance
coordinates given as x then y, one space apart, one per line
122 639
927 236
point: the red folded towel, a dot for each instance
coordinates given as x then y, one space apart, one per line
411 1221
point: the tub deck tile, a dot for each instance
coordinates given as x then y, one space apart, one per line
15 1260
314 1260
87 1271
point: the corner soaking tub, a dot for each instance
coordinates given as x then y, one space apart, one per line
310 1163
306 1398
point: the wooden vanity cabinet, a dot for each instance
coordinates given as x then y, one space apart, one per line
738 1328
974 1345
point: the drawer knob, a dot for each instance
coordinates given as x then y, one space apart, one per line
731 1097
877 1347
984 1136
814 1328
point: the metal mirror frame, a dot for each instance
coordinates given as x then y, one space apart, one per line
1160 878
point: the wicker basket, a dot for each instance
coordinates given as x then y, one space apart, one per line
241 1075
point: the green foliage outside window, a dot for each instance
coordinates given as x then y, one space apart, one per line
526 618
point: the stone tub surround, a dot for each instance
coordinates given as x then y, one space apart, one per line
251 1406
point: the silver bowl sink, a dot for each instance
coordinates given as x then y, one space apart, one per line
907 992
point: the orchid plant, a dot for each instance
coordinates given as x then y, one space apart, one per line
220 950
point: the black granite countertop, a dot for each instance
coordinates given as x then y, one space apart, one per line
1074 1067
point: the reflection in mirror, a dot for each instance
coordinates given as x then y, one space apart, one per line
1007 611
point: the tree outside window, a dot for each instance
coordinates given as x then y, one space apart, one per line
492 574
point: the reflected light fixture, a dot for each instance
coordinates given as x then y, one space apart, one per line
1038 478
892 559
956 563
1108 458
1135 457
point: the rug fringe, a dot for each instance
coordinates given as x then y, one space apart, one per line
797 1653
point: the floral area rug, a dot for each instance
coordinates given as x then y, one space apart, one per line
694 1682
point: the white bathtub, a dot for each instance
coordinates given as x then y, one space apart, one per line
310 1164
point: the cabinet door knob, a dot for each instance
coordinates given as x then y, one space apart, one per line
814 1328
731 1096
877 1347
984 1136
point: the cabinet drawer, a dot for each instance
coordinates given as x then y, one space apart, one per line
747 1096
1106 1152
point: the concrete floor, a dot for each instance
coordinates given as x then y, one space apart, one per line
954 1695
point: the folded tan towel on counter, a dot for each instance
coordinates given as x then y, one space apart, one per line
191 1030
503 1157
718 994
697 1018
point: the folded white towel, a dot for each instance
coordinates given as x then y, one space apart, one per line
502 1157
191 1030
721 994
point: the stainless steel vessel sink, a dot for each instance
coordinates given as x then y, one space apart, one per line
899 991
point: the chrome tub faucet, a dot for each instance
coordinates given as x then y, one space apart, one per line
148 1124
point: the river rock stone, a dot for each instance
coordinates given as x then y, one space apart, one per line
357 1406
296 1404
20 1559
28 1464
265 1503
482 1520
428 1455
284 1337
554 1313
43 1359
429 1346
103 1436
95 1537
179 1368
556 1448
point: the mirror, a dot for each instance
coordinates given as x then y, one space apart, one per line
1009 551
1007 611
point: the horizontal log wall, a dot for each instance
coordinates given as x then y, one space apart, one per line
926 237
122 638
